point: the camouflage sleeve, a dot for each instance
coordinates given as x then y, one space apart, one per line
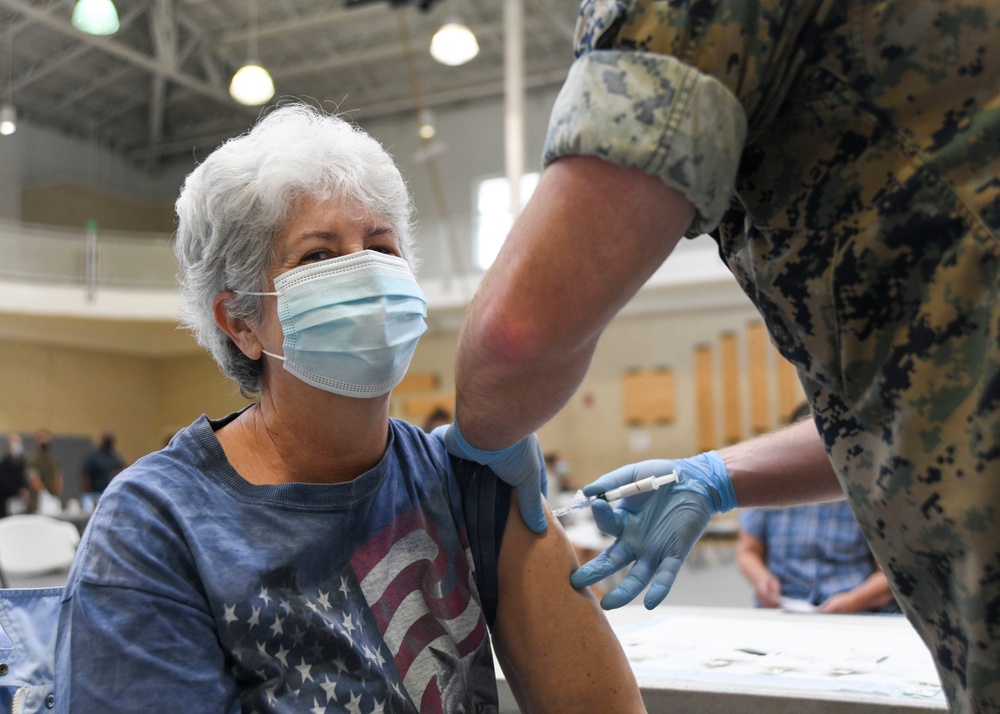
674 88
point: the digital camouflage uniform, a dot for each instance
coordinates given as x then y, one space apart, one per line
851 151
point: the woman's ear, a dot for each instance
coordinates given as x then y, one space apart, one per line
239 330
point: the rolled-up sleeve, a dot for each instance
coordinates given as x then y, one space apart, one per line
654 113
676 89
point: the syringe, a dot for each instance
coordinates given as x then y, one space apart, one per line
616 494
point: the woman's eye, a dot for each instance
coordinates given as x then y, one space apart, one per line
316 256
387 250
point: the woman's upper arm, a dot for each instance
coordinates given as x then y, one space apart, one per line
554 643
135 626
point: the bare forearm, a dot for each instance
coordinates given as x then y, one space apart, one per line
786 468
871 594
751 565
588 239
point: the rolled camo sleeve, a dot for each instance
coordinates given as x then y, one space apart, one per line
677 89
654 113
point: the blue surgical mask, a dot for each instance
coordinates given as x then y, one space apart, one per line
351 324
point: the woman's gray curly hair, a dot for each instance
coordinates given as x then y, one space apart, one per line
234 204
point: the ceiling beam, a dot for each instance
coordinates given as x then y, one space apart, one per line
122 52
305 22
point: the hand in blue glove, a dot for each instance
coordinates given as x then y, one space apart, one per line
521 465
657 529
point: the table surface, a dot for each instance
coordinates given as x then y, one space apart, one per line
708 660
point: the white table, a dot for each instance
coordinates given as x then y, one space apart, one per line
727 660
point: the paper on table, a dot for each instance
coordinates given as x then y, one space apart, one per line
835 653
791 604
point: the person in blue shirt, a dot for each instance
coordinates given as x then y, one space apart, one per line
811 556
308 553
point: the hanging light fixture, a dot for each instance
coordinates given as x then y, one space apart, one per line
8 114
252 84
454 43
425 124
95 17
8 119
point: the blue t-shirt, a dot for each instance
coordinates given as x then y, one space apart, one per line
816 551
196 591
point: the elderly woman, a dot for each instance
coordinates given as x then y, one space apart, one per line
309 553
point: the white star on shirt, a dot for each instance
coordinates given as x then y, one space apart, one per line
330 687
348 622
324 600
317 709
343 586
306 671
277 628
355 704
230 615
340 664
254 618
264 596
282 654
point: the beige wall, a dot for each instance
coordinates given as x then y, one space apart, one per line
84 392
80 392
72 205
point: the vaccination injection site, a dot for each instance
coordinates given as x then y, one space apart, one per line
573 356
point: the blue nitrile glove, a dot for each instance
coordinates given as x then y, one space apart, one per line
657 529
521 465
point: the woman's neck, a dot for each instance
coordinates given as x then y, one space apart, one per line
307 435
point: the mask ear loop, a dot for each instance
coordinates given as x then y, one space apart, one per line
248 292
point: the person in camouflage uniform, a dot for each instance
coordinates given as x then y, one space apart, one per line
846 156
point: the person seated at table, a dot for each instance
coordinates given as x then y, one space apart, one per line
812 556
309 553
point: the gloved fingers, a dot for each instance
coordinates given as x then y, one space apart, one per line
614 558
633 584
614 479
529 503
607 520
540 460
662 582
441 431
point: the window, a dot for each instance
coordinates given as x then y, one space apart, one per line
493 217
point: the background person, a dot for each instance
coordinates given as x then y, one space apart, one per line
812 556
438 417
101 465
308 551
44 473
845 157
13 473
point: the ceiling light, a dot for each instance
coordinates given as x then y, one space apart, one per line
8 119
454 44
95 17
251 85
425 128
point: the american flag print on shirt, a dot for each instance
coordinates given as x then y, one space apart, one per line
399 629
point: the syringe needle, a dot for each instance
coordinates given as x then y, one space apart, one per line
575 506
616 494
